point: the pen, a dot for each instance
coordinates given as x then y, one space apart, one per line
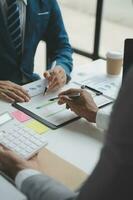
97 92
75 96
52 67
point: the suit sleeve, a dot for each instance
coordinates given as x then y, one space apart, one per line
42 187
112 178
58 47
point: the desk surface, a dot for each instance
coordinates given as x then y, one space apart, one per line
79 142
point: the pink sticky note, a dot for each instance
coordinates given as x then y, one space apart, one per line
20 116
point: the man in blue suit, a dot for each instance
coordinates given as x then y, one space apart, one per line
23 24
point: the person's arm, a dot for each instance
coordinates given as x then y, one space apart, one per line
58 46
43 187
58 49
35 185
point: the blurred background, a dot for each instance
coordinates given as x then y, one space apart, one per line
94 27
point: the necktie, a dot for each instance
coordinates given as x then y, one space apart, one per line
13 23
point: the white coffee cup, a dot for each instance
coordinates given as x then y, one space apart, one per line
114 62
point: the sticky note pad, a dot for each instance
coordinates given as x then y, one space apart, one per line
37 126
20 116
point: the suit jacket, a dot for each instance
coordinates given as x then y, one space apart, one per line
112 178
43 22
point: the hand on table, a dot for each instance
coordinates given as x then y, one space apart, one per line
56 78
11 92
11 163
84 106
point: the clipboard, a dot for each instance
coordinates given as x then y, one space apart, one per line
42 120
39 104
49 112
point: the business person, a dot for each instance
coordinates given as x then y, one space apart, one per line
84 106
23 24
112 178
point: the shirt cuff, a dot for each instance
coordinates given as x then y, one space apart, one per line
102 119
23 175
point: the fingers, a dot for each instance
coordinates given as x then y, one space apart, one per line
47 75
22 91
64 95
4 150
64 99
67 106
2 153
1 149
5 97
56 78
6 154
56 83
8 162
71 91
14 95
12 92
70 104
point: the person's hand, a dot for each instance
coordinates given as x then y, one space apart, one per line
11 92
11 163
56 78
84 106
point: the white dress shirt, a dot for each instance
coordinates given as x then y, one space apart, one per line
103 117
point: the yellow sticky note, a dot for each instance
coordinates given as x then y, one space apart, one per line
37 126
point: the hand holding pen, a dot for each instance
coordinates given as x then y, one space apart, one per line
56 78
83 105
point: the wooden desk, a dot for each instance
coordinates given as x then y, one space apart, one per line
56 167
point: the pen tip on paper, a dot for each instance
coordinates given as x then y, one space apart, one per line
82 86
45 91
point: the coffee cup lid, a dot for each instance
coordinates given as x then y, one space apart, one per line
114 54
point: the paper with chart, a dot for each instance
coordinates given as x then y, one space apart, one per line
50 111
35 88
108 85
45 109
